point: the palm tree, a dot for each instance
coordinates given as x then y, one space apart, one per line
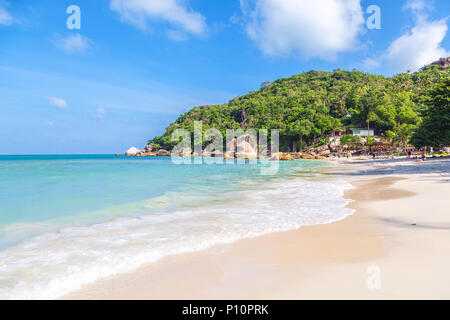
370 141
370 117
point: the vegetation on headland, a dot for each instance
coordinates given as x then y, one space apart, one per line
308 107
434 130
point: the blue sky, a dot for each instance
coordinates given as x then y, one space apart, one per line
135 65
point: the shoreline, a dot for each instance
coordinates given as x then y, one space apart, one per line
328 261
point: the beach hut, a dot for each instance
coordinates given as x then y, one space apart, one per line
363 132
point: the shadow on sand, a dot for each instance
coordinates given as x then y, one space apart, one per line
399 166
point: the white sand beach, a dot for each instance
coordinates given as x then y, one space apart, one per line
395 246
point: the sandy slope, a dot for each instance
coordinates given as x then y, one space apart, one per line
399 240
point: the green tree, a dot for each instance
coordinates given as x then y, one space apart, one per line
311 105
298 131
336 126
349 138
388 136
265 84
403 134
370 141
435 129
371 116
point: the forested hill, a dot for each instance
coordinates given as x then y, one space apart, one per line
308 106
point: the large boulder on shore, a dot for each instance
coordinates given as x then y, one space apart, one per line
149 148
276 156
286 157
214 153
217 153
335 145
132 152
231 146
307 156
163 153
319 150
245 150
240 148
228 155
183 152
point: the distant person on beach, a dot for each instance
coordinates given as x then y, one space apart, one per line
374 155
409 154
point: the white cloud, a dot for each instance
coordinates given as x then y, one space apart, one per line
58 102
311 28
418 47
175 12
417 5
371 63
100 113
5 17
72 43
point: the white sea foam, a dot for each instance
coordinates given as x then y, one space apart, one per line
53 264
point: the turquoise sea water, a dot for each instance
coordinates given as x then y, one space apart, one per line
69 220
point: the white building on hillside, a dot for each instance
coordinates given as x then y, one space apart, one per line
363 132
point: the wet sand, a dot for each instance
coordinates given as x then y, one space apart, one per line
395 246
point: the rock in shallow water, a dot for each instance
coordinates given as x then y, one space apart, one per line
132 152
163 153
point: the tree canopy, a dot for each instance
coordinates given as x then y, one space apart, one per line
435 128
307 107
